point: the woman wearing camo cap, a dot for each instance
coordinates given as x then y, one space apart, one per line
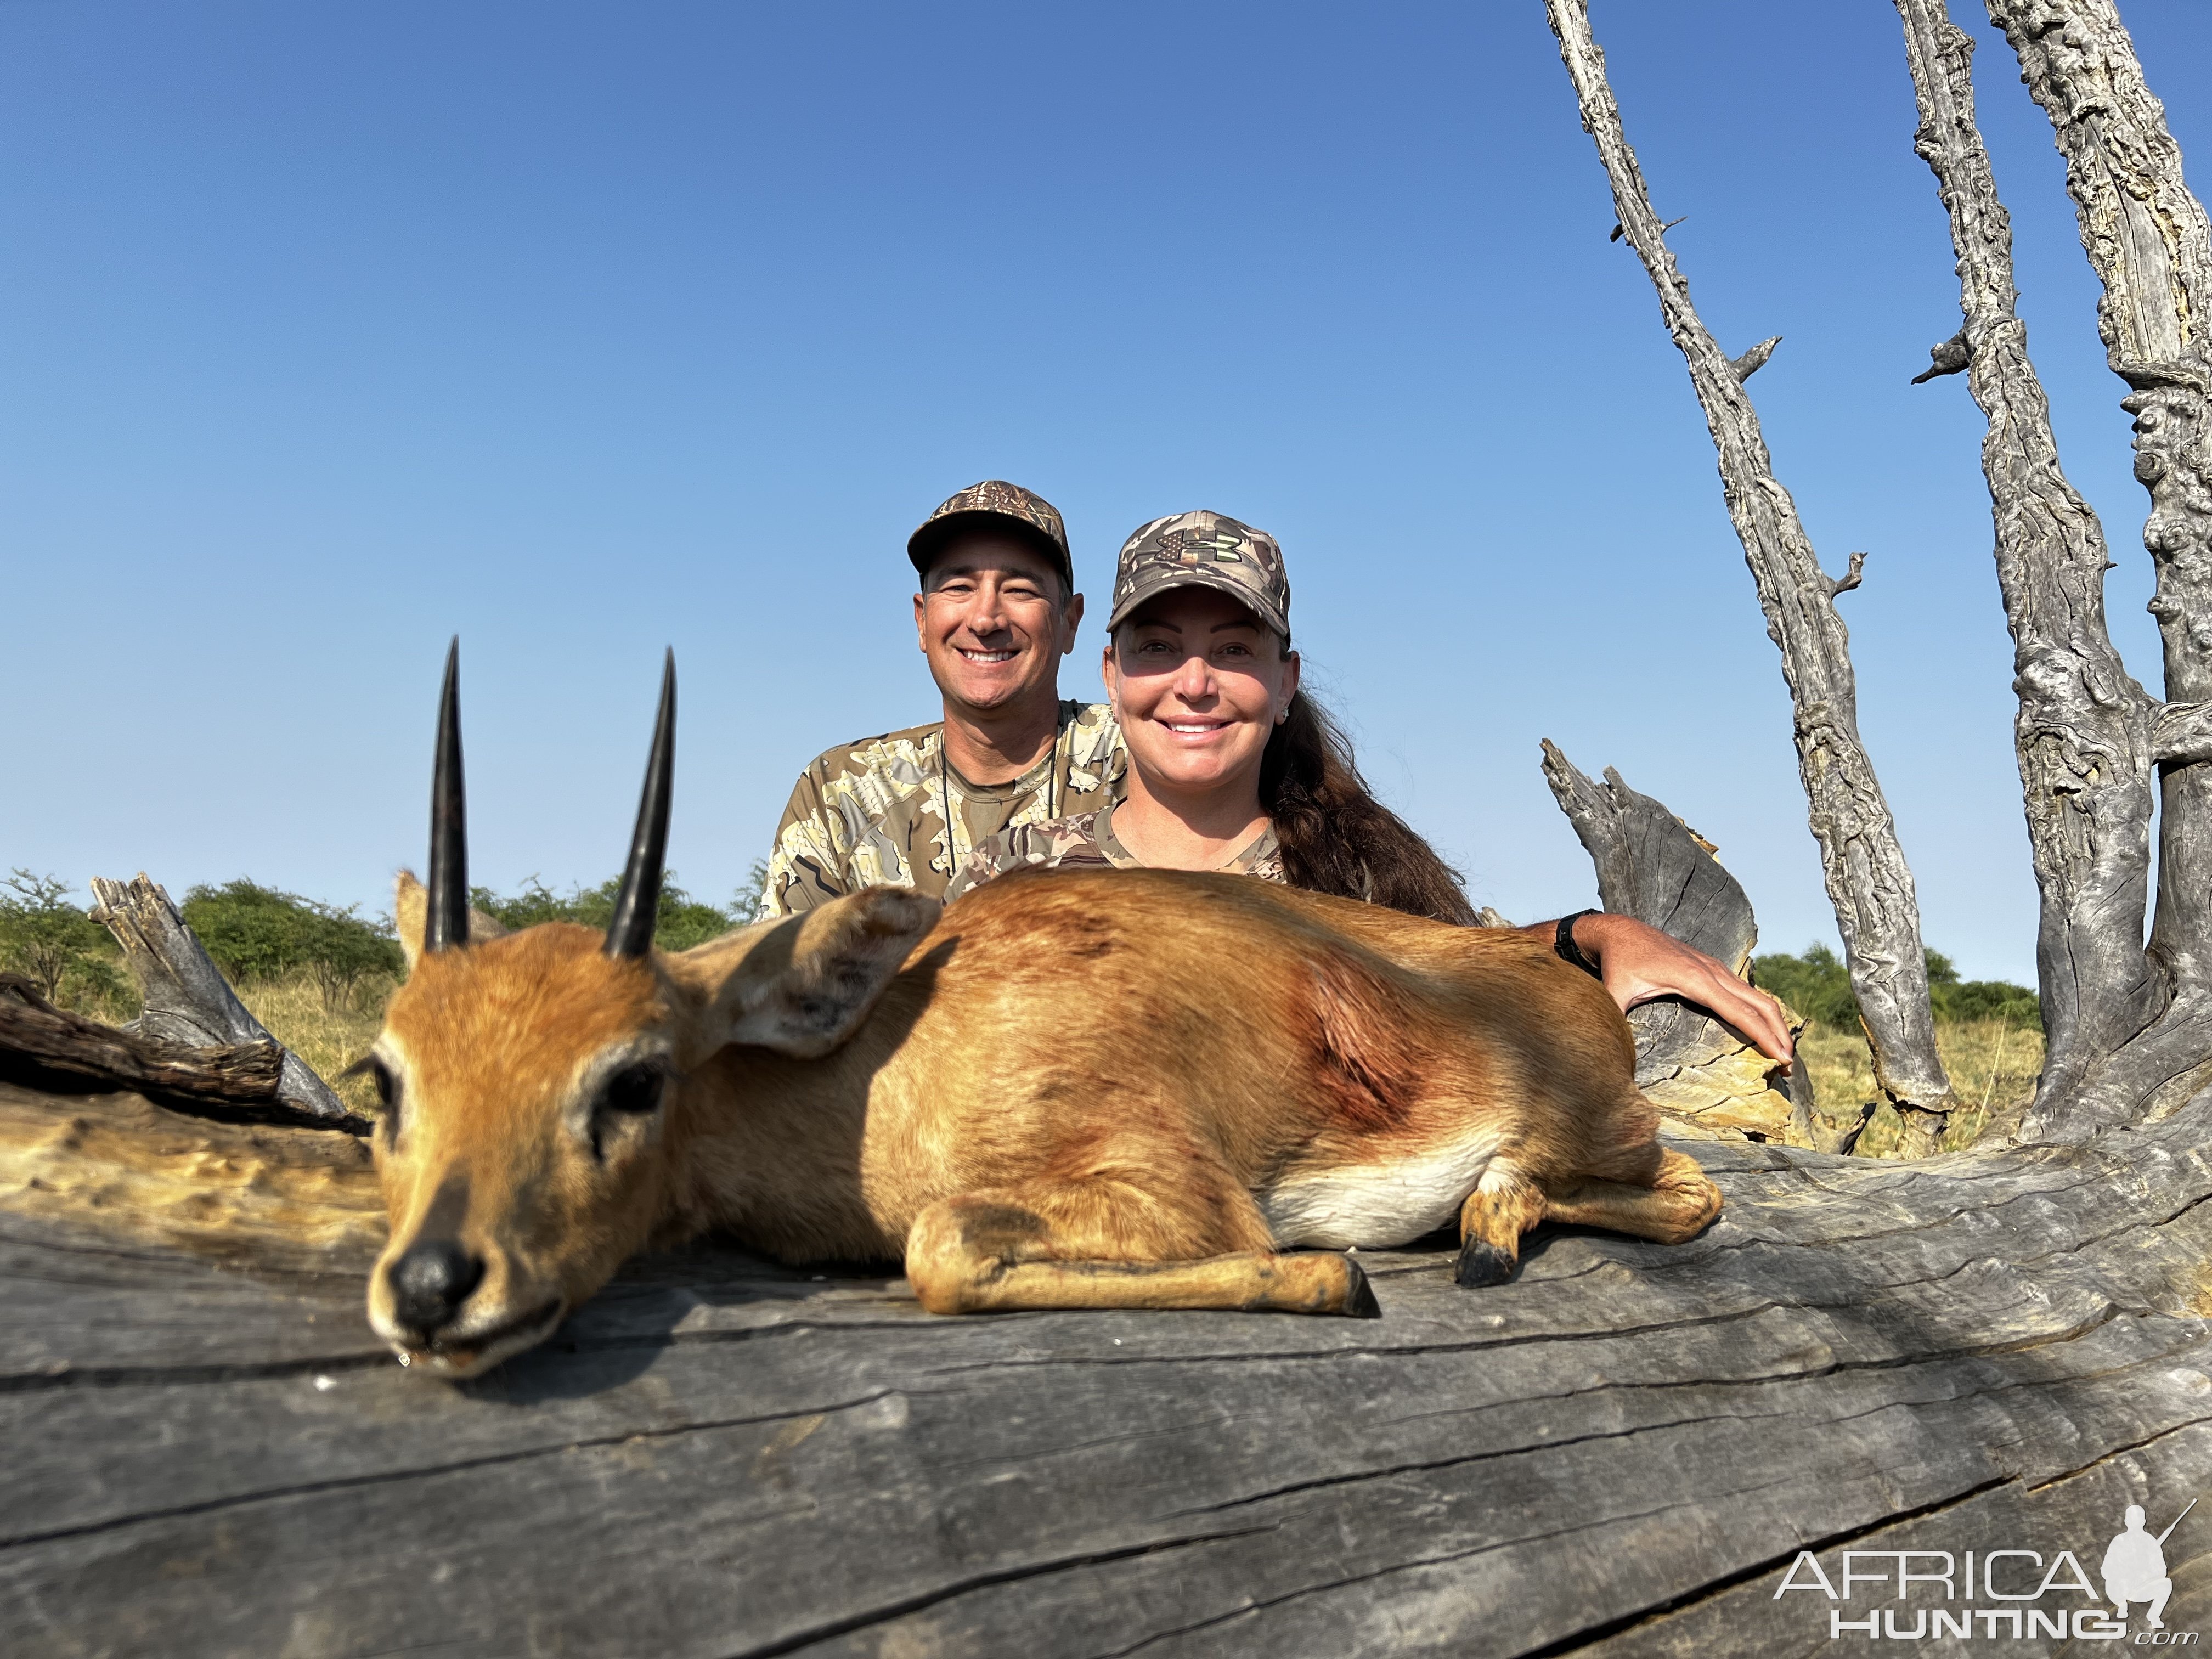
1233 767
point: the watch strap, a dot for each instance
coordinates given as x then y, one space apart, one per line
1562 942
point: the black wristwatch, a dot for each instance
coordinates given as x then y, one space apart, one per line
1563 941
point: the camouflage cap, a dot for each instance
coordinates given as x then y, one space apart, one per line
1203 550
994 504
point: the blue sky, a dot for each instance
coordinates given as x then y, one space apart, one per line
330 332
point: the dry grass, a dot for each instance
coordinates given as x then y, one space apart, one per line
1992 1062
329 1034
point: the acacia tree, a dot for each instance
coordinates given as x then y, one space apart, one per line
52 943
2129 1025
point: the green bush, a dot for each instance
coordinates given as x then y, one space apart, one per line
1978 999
1818 986
255 932
684 921
58 948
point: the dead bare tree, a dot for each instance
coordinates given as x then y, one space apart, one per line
2083 729
2129 1024
1869 882
2139 1040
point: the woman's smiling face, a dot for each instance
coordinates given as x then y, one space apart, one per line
1198 683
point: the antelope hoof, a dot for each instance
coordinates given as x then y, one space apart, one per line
1360 1301
1482 1264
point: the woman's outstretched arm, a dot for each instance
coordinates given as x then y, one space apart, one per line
1639 964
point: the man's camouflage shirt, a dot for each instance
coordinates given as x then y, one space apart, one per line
1087 840
875 812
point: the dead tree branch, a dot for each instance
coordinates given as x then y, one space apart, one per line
1755 359
1869 883
2082 729
43 1046
1948 358
2181 733
36 1036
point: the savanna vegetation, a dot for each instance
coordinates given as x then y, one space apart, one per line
1989 1032
59 949
316 974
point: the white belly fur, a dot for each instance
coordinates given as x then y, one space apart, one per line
1377 1204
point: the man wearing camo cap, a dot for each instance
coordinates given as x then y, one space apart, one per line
997 611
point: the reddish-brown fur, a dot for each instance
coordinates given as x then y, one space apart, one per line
1070 1089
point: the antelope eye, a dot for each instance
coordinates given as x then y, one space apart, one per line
633 1091
387 1095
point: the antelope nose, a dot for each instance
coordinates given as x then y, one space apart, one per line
431 1280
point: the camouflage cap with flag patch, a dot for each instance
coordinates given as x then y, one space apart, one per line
1203 550
994 504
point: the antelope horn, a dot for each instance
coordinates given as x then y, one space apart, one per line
638 907
446 927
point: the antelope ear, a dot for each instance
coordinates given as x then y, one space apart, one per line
410 911
806 984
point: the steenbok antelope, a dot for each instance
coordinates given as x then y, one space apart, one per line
1101 1088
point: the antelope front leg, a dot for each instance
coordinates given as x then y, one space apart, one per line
1042 1247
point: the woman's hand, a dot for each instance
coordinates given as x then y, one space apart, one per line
1640 964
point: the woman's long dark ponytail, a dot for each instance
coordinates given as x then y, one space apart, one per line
1335 836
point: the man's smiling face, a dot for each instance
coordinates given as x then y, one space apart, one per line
994 623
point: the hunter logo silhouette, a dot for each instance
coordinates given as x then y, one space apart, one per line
2135 1566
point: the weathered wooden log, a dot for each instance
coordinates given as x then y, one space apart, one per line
276 1196
35 1033
1877 911
43 1046
1621 1453
187 999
